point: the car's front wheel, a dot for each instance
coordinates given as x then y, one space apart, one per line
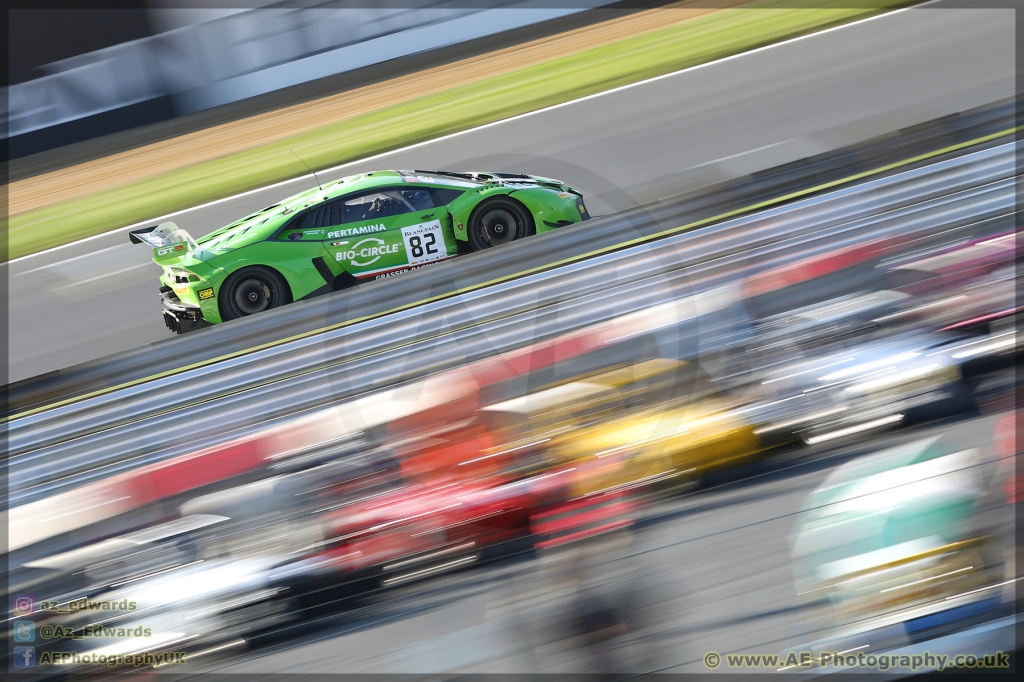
498 221
252 290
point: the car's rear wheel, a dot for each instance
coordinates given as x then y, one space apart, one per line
498 221
252 290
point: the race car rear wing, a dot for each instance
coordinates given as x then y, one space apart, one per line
169 242
163 234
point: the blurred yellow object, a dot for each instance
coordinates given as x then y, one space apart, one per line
669 444
914 585
658 421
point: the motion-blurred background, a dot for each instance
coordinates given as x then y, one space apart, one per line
763 402
77 74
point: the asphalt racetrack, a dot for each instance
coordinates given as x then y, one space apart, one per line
625 148
709 571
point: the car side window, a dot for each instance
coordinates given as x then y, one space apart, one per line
443 196
417 197
425 198
324 216
310 218
375 205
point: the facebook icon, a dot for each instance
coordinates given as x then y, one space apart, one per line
24 657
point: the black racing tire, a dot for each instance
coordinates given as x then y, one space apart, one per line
498 221
252 290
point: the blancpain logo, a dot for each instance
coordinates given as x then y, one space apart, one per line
352 231
371 249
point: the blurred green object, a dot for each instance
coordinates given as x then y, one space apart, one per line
699 40
891 536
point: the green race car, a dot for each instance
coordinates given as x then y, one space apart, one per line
359 228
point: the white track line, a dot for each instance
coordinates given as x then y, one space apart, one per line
733 156
78 282
68 260
473 130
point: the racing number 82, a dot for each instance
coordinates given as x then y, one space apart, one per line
418 246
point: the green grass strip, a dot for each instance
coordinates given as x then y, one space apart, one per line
768 203
696 41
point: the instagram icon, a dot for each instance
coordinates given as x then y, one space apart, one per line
24 605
